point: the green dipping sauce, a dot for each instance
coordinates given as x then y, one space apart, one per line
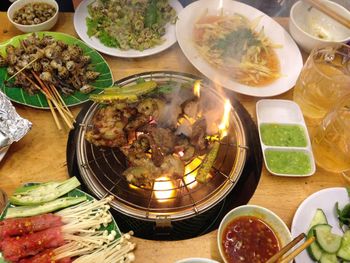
288 162
273 134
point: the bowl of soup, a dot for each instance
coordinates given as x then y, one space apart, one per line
251 233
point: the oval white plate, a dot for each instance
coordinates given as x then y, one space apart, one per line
289 55
81 13
324 199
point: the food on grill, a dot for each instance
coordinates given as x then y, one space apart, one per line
231 44
81 230
129 24
159 131
249 239
34 13
53 62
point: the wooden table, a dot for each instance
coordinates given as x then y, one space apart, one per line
41 155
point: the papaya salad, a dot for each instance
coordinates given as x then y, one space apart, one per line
137 24
231 44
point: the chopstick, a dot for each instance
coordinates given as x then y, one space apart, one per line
329 12
286 248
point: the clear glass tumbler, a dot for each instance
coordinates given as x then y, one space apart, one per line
324 79
331 141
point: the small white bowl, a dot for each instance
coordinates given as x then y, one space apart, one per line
44 26
310 28
271 219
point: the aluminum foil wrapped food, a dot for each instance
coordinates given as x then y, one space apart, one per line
12 126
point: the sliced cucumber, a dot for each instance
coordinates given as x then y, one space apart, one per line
314 250
328 241
319 218
328 258
344 251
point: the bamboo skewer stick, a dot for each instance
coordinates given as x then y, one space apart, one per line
54 115
61 99
329 12
298 250
286 248
19 71
58 107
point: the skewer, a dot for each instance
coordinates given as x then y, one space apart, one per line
54 115
19 71
61 99
286 248
329 12
58 107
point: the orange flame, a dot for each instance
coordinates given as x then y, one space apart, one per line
191 171
197 88
223 126
163 189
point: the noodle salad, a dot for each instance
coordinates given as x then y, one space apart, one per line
231 44
129 24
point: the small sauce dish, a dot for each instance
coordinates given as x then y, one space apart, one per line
311 28
251 232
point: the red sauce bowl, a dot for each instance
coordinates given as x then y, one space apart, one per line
251 233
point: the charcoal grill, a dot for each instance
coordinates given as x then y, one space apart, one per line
188 208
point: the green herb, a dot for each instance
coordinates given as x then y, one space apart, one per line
107 40
344 214
235 43
92 26
151 16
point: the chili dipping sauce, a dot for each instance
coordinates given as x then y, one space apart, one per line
249 239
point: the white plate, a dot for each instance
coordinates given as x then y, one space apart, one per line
289 55
324 199
273 111
81 13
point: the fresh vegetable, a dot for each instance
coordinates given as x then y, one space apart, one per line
344 214
24 211
151 15
129 93
42 193
344 251
203 171
328 258
319 218
328 241
314 250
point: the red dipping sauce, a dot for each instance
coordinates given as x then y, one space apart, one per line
249 239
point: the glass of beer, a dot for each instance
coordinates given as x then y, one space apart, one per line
331 141
324 79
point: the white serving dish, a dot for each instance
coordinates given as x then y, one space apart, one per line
44 26
283 112
270 218
306 24
289 55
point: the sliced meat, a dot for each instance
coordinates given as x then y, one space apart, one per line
197 139
45 257
173 167
16 248
21 226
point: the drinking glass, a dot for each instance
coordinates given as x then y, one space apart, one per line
3 200
324 79
331 141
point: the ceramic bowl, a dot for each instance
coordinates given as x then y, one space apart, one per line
44 26
271 219
310 28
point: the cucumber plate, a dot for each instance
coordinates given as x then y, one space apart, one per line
308 215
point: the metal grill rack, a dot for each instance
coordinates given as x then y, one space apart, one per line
101 171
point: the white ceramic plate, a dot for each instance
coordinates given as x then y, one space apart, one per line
289 55
81 13
324 199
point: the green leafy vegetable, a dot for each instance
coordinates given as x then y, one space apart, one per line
236 42
343 214
151 16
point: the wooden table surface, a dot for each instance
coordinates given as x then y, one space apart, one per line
41 155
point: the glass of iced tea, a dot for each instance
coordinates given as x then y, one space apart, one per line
324 79
331 141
